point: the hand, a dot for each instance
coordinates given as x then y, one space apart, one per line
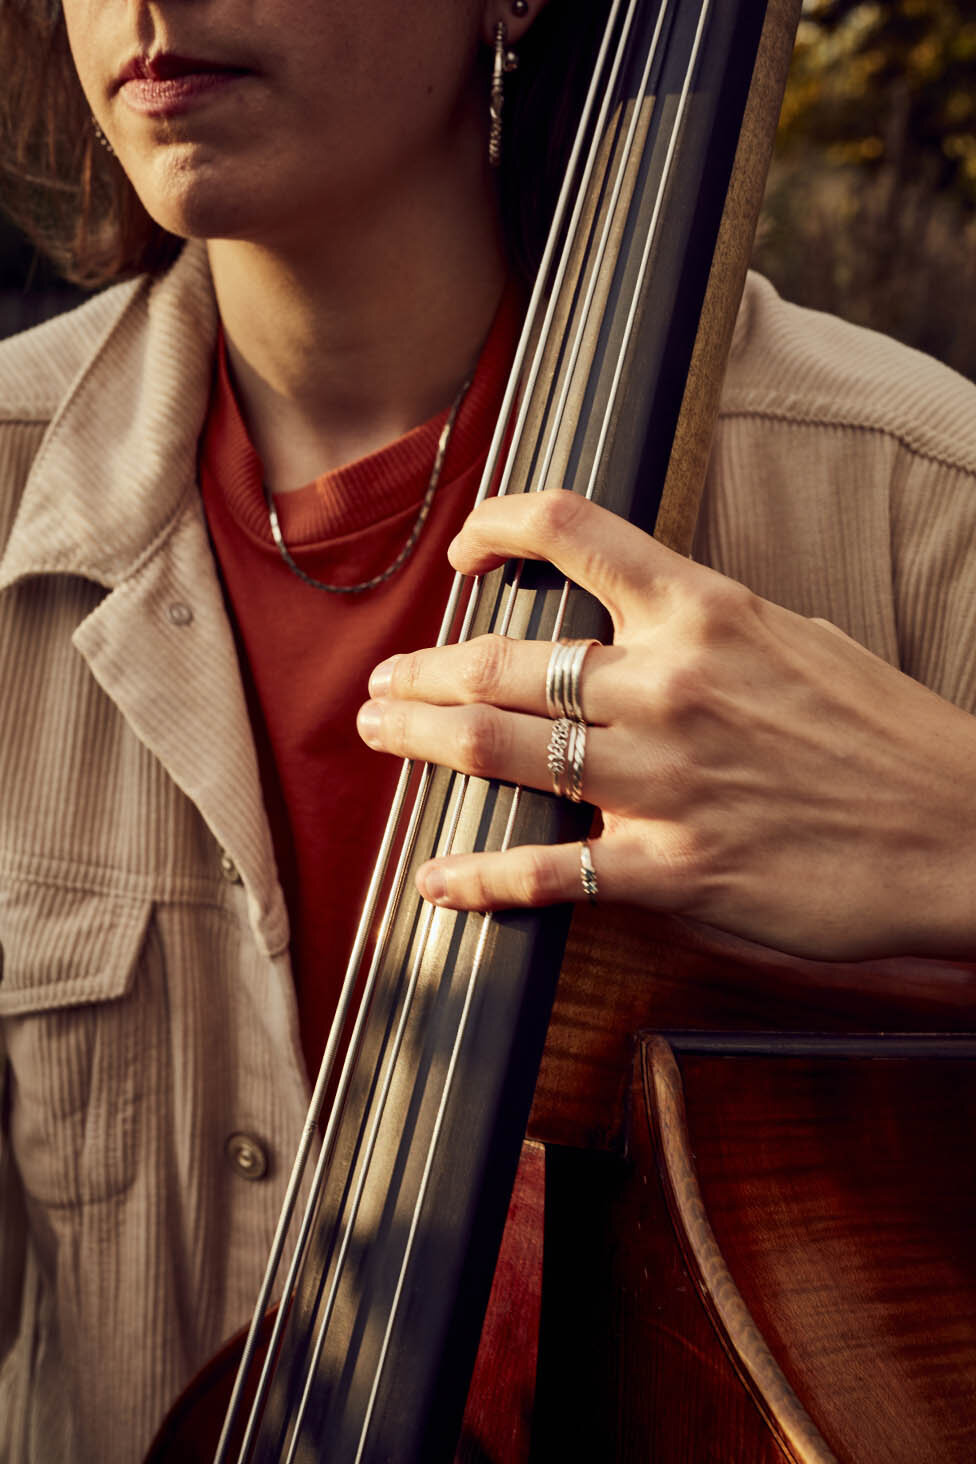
755 770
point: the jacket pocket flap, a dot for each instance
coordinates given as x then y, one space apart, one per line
62 947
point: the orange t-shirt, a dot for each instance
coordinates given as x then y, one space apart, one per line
306 655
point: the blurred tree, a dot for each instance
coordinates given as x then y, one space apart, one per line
888 85
871 206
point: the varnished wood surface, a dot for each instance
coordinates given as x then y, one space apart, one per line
723 1300
842 1195
631 1369
628 971
497 1426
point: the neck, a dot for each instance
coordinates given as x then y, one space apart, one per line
343 340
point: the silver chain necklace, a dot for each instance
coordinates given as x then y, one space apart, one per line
443 444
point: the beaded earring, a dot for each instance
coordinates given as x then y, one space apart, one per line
504 60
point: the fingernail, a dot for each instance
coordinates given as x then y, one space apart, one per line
369 723
433 885
382 677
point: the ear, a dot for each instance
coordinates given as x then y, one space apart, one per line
516 25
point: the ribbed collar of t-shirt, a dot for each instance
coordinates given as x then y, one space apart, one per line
360 495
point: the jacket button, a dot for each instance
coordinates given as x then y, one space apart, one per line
180 614
247 1156
229 869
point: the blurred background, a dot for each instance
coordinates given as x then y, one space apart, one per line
871 206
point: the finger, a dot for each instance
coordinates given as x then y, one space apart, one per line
487 743
502 672
533 875
621 565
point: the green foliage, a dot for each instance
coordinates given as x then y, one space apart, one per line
871 207
891 83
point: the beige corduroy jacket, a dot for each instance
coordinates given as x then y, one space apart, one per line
152 1074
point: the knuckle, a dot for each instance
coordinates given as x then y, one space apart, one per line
479 892
537 884
405 676
724 605
395 730
683 862
483 671
829 627
478 740
555 512
683 690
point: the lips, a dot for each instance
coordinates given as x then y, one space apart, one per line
168 83
166 66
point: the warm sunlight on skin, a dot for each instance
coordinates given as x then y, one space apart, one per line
264 117
757 770
334 158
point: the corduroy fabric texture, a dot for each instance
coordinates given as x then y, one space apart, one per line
147 1005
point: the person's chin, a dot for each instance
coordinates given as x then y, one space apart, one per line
189 196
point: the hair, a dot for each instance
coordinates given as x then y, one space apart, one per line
74 202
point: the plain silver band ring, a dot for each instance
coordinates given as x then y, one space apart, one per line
587 872
563 678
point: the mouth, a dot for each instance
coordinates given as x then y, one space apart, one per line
167 83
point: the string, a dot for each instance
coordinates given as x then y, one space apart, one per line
474 975
421 796
377 880
476 967
646 256
596 266
365 1154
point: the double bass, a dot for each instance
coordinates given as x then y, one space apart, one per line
750 1176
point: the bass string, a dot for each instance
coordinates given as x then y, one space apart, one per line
363 1158
476 966
652 228
595 267
392 830
506 840
365 1148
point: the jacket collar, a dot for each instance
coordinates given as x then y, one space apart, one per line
112 497
119 458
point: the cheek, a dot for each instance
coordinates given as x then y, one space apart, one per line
81 27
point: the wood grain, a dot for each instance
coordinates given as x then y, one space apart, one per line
724 1302
628 971
631 1368
842 1196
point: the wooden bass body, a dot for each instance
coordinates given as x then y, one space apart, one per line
759 1206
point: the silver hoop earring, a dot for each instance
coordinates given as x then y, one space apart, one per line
504 60
101 138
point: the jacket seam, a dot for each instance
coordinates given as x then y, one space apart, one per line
795 419
109 880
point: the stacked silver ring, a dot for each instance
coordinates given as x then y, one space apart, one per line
563 678
566 753
565 757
